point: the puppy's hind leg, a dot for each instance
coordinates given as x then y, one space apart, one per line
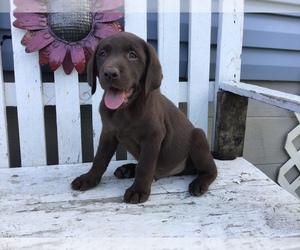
125 171
201 158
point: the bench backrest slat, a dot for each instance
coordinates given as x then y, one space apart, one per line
29 95
168 46
68 117
136 17
199 62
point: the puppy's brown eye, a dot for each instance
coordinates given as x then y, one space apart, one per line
102 54
132 55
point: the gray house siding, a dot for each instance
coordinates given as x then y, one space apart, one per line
271 47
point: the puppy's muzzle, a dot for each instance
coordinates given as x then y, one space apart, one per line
111 73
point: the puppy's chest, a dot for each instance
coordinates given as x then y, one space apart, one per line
130 140
125 129
130 129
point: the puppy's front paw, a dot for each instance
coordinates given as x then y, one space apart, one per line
198 187
125 171
135 196
85 182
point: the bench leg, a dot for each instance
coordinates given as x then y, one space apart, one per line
231 115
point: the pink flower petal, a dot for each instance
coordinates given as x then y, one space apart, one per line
106 5
44 56
108 17
88 56
68 64
30 21
37 40
30 6
57 54
78 58
26 38
90 43
103 30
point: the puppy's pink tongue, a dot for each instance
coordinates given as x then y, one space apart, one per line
114 98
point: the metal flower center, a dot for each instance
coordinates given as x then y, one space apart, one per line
70 20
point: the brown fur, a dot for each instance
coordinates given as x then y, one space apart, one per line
152 129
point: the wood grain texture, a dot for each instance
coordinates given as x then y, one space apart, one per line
229 49
242 202
272 97
231 115
133 243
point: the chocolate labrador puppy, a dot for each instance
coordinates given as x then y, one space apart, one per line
136 114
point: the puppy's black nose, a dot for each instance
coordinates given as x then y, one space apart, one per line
111 73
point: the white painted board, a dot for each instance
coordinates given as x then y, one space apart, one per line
168 46
68 117
199 61
266 95
242 203
29 99
97 124
4 156
136 17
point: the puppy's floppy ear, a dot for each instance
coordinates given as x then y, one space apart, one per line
153 70
92 71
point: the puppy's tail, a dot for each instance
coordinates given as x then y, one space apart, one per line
223 156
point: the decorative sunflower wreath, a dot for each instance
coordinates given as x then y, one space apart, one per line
66 32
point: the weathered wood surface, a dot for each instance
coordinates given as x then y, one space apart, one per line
266 95
231 115
229 49
243 202
151 243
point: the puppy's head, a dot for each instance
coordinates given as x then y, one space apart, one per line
126 66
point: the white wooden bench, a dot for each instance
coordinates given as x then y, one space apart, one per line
37 201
